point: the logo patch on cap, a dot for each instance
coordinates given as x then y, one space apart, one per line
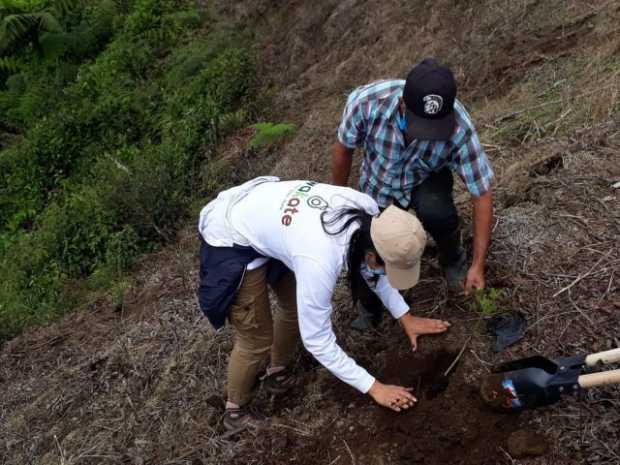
432 104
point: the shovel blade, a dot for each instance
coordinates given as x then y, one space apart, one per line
531 387
527 388
516 390
536 361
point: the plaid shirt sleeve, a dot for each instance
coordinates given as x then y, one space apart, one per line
352 129
472 165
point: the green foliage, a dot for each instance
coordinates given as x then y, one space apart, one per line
29 284
195 109
485 301
118 125
76 231
270 133
160 21
9 65
149 193
24 23
188 61
53 29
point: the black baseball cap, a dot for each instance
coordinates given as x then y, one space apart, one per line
429 94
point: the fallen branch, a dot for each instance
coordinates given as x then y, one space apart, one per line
458 357
300 432
580 277
334 461
353 462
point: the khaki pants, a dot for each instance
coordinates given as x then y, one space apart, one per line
257 334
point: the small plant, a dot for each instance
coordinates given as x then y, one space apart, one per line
119 293
268 134
485 301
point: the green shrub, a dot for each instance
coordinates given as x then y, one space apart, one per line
122 249
118 130
75 231
29 286
149 194
194 110
270 133
185 63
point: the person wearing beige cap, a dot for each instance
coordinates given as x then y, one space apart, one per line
399 239
297 237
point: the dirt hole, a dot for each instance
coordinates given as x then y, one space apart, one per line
449 424
428 375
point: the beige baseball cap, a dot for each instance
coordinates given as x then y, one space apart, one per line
399 238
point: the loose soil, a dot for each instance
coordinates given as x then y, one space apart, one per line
527 444
449 424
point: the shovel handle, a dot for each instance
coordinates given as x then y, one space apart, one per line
599 379
608 356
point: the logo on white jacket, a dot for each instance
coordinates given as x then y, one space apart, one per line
316 201
294 199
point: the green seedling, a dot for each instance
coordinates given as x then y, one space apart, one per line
485 301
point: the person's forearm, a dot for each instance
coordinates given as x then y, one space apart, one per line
405 318
342 158
483 225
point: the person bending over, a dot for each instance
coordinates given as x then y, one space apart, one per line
297 237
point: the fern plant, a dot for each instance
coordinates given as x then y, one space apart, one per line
25 23
9 65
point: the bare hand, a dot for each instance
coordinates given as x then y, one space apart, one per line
396 398
415 327
475 279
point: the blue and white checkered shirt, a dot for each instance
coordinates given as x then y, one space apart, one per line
391 169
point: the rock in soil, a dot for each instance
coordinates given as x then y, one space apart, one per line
524 443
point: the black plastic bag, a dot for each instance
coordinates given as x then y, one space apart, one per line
508 328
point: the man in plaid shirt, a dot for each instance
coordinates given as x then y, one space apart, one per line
415 134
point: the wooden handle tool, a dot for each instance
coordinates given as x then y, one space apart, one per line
599 379
608 356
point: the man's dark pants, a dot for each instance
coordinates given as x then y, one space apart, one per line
433 204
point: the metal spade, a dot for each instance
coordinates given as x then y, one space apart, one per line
537 381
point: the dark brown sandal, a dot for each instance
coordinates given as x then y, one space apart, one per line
239 419
279 382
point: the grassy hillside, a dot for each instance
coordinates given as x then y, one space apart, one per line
110 111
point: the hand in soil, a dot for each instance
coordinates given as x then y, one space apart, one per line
396 398
415 327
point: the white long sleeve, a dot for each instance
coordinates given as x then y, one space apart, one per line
315 287
390 297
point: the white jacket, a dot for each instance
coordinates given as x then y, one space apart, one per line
282 220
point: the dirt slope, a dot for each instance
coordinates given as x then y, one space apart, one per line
143 383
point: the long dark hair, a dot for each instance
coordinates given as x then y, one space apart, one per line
337 221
